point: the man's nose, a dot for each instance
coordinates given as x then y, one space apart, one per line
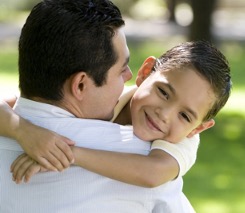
127 75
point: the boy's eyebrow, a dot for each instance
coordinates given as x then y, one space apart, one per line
171 88
194 114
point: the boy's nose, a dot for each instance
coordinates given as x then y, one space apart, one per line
164 113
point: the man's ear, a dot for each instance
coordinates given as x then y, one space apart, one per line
145 69
203 126
78 84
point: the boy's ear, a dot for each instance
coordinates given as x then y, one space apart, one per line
77 85
203 126
145 69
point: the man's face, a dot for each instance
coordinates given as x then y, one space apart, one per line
100 101
169 105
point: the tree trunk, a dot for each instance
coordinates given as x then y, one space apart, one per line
171 4
200 28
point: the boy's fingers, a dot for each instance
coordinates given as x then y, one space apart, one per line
19 171
68 154
68 141
61 162
59 157
32 170
14 163
18 161
50 164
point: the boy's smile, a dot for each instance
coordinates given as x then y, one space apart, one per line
170 105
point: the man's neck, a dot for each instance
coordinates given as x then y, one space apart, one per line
43 100
65 105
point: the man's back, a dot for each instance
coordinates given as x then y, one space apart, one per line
76 189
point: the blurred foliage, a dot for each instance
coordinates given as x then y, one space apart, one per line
9 62
26 4
131 8
141 9
125 5
18 4
235 54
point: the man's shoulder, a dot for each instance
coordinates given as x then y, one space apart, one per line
105 135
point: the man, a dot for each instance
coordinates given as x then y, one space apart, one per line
72 55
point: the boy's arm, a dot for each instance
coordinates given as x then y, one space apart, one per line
46 147
165 162
185 152
153 170
11 101
147 171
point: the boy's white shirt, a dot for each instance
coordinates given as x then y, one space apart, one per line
185 152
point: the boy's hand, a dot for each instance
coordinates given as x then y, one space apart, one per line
49 149
25 167
46 147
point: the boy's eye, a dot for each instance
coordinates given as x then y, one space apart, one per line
185 116
165 94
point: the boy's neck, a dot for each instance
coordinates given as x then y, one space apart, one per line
124 117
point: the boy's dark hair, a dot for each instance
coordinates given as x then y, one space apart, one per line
63 37
208 61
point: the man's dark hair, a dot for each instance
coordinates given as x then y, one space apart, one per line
208 61
63 37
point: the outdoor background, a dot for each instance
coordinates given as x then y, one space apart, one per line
216 183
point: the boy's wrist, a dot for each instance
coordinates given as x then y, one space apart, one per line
75 154
22 127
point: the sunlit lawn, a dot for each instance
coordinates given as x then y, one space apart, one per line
216 182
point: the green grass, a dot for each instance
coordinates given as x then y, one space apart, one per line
216 183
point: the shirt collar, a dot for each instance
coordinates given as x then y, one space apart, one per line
27 106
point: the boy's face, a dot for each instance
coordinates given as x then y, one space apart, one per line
171 105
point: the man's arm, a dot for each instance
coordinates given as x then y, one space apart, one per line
46 147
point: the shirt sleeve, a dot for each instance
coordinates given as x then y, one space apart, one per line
184 152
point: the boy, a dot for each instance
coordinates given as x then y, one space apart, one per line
178 98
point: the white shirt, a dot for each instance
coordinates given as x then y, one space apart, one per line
77 190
